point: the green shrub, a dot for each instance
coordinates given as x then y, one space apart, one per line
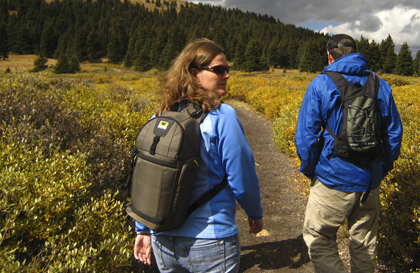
65 146
399 230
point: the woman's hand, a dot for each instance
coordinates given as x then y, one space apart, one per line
143 249
255 226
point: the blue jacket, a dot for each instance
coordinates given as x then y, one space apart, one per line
224 150
314 147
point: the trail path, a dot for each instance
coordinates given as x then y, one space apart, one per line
280 248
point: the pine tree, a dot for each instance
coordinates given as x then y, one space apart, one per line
390 61
311 60
374 57
40 64
94 47
168 54
158 47
129 56
63 65
239 60
273 57
80 47
176 38
74 64
292 53
416 65
363 46
385 44
253 57
283 56
65 42
117 47
404 61
49 42
4 41
142 63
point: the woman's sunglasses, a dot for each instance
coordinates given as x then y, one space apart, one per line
218 69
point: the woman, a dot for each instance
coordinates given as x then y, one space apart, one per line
208 240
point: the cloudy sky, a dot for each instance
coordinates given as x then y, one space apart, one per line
374 19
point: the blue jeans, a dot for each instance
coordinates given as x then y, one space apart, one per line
181 254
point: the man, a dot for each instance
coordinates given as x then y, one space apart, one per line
338 183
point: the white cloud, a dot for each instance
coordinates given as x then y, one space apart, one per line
213 2
373 19
403 24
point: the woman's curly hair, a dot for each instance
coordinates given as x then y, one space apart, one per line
179 83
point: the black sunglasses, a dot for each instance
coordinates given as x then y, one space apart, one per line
218 69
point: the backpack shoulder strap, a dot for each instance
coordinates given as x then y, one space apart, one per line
195 109
208 196
340 81
374 80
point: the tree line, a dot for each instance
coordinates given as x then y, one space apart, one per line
128 33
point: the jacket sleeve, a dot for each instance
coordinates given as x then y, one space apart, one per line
308 137
238 161
391 127
139 227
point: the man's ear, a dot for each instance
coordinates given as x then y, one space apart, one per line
330 58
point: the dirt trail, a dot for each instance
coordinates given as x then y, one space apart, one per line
281 247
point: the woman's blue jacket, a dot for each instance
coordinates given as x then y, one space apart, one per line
224 150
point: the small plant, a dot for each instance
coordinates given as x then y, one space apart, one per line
40 64
64 65
7 70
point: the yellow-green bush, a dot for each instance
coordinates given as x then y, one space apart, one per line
277 96
399 242
64 151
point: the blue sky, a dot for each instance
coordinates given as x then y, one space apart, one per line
316 25
372 19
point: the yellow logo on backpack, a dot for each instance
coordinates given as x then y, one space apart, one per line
163 125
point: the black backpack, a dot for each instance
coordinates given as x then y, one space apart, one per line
359 136
163 168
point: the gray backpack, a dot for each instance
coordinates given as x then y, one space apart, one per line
163 168
359 136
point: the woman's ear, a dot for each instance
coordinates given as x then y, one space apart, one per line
194 72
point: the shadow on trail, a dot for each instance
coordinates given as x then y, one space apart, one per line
291 253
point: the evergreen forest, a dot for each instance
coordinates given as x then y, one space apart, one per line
129 33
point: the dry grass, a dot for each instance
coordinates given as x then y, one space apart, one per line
24 63
151 6
21 63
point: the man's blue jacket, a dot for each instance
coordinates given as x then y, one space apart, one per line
314 146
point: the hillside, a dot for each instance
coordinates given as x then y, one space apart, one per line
136 34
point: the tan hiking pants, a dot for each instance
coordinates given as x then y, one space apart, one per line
326 211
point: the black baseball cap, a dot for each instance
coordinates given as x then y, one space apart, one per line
334 41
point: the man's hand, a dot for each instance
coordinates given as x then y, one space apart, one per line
143 249
255 226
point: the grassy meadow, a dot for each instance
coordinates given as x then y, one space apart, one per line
65 145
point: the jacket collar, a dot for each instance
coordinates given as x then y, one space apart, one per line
351 64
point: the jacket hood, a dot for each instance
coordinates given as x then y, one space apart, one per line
351 64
